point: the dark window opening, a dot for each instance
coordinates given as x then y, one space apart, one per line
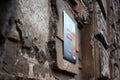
101 38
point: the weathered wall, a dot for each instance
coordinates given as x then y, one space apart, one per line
114 39
35 17
26 54
26 47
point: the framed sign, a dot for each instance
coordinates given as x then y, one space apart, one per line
66 40
69 38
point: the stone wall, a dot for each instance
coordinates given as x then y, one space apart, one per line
26 47
26 53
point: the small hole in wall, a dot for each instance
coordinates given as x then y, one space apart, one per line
73 3
2 39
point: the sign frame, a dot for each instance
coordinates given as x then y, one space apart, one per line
69 51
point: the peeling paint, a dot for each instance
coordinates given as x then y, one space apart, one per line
32 60
31 74
104 56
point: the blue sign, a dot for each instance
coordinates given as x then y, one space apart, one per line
69 38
